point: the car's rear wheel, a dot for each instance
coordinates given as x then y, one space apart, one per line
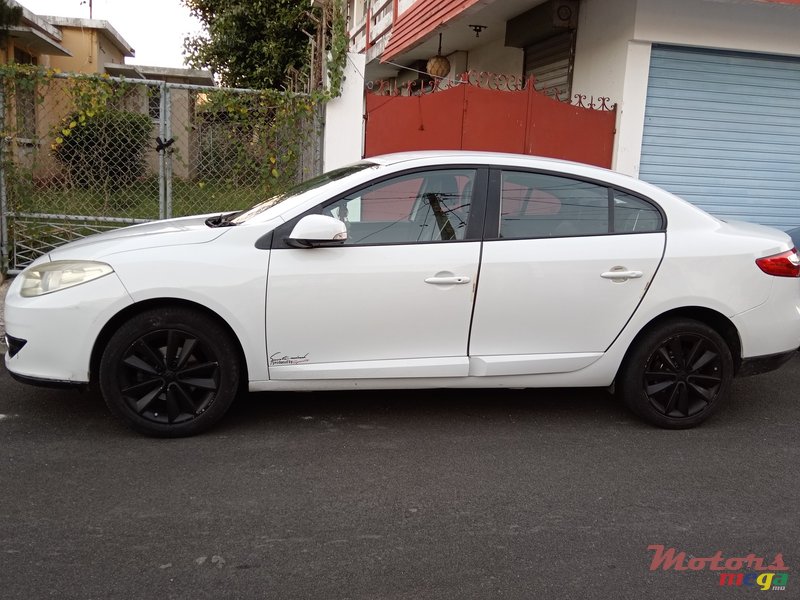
677 375
170 372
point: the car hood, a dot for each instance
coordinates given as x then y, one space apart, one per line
171 232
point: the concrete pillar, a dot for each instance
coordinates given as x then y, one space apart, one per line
344 118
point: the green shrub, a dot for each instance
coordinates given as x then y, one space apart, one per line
106 149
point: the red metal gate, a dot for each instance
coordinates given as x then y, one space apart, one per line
468 117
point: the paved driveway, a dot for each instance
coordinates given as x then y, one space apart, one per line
547 494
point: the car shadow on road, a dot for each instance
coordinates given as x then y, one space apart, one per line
263 411
446 407
592 408
753 399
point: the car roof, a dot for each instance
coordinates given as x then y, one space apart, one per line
472 156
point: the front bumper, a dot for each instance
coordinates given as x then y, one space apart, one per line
60 329
49 383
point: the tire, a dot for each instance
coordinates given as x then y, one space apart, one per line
170 372
677 374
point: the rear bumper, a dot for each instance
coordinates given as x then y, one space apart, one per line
772 328
756 365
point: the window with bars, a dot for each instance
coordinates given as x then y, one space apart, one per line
25 100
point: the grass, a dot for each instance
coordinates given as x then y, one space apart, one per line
30 237
139 201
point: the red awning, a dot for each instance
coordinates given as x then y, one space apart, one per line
419 21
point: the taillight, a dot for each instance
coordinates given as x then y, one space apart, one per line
785 264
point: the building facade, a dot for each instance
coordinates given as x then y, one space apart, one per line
706 90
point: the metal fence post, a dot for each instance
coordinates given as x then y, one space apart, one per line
167 151
4 262
162 133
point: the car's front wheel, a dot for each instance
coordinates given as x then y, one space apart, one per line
170 372
677 375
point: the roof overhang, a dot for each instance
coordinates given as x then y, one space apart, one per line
414 34
420 21
35 42
148 73
103 26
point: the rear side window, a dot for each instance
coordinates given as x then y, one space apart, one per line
634 215
537 205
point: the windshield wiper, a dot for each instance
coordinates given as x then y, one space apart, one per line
222 220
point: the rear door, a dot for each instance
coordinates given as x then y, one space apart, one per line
565 264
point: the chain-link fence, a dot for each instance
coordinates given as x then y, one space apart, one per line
82 154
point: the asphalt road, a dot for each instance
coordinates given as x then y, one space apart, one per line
498 494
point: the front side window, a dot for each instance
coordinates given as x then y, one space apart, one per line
431 206
307 186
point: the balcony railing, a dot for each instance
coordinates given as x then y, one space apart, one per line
358 37
381 14
370 34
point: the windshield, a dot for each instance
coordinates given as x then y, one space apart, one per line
301 188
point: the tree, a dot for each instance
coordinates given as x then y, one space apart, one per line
250 43
10 15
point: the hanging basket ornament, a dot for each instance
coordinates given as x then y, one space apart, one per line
438 66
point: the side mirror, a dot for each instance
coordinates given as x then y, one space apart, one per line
314 231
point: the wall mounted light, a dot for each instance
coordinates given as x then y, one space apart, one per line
478 29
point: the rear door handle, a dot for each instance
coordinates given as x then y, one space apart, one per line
621 275
455 280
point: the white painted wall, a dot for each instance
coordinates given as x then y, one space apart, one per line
495 57
630 109
615 38
724 24
604 29
344 118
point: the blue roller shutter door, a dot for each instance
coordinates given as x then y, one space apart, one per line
722 130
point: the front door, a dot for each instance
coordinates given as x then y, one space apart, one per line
396 299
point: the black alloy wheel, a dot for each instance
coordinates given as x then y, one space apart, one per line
683 375
677 374
170 373
169 376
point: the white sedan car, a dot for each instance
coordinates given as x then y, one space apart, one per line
419 270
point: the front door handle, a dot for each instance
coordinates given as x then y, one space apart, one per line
455 280
621 275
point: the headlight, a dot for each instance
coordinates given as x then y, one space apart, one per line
60 274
